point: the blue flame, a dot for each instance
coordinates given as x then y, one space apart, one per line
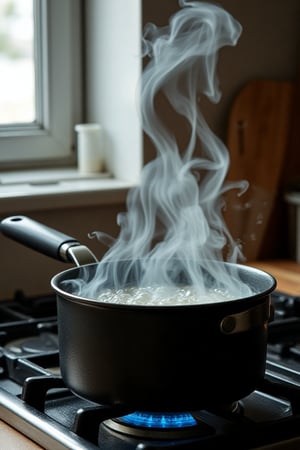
159 420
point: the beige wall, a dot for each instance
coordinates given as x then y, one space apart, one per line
269 47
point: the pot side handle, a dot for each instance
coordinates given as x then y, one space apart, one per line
259 315
46 240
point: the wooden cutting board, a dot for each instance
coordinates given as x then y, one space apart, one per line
258 135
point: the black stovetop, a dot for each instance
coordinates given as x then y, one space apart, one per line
34 399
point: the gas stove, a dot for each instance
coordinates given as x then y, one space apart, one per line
35 400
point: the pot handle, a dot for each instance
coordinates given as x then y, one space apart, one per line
246 320
46 240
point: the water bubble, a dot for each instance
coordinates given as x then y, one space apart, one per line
163 296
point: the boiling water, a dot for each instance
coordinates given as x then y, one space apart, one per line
162 296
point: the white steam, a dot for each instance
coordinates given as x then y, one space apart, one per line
174 222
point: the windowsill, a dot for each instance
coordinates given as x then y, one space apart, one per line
58 188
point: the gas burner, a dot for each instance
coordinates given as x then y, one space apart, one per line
42 343
152 425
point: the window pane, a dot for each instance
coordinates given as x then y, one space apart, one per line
17 75
44 132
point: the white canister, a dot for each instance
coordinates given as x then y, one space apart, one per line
89 147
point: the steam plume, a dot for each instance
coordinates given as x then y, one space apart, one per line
175 214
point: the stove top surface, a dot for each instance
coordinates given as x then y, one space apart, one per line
35 400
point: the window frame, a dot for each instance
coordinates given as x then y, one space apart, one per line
50 140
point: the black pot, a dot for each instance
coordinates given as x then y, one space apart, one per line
153 358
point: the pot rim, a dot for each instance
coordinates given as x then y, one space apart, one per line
64 275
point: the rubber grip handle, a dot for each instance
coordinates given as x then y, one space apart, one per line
35 235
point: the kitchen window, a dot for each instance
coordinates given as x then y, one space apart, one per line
17 56
40 50
88 68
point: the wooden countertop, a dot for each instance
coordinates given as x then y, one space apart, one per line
11 439
287 275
